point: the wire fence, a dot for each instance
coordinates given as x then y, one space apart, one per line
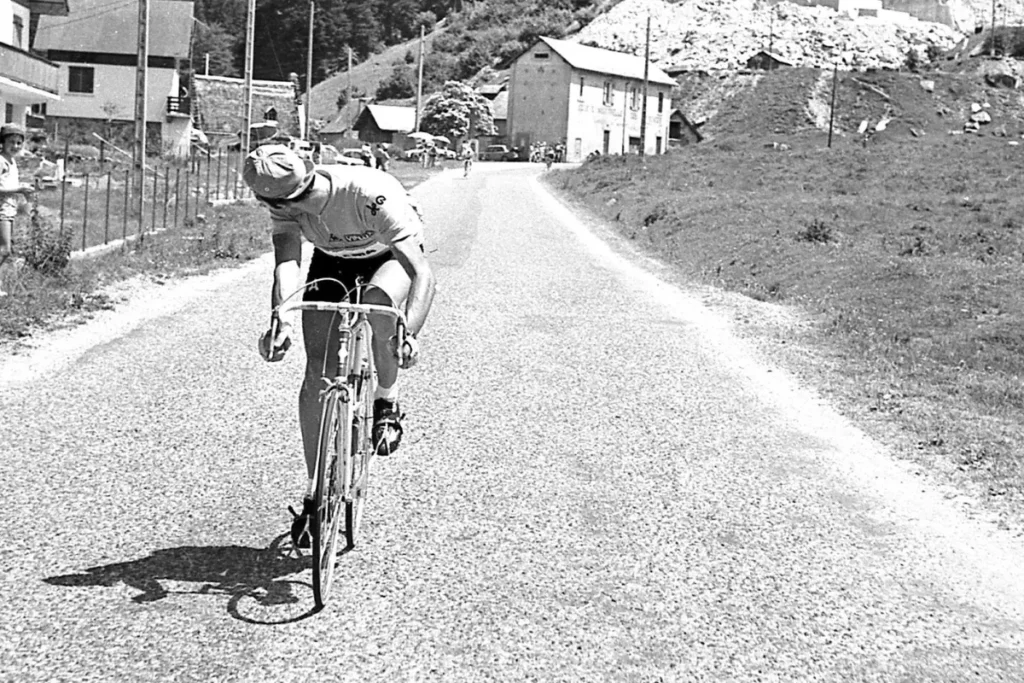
97 203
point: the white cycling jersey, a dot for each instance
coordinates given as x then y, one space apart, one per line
368 211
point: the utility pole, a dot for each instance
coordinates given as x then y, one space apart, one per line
832 109
309 69
348 88
643 105
206 68
992 40
250 32
419 80
771 34
140 109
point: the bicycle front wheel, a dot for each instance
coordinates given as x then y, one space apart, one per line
334 454
361 383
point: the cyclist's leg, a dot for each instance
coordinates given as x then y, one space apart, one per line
390 288
320 337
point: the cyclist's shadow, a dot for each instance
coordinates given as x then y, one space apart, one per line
253 576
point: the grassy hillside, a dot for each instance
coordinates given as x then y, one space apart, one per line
364 77
901 252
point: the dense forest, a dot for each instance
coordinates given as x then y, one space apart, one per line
479 33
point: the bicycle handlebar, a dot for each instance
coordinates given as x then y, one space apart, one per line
343 307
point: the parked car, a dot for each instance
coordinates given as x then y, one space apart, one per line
498 153
353 156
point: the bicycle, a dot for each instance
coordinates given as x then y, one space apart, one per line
345 450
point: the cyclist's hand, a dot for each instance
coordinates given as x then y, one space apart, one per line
272 348
409 354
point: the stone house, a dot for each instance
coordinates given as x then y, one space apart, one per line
587 98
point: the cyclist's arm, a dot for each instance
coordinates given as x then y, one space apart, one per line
287 276
421 291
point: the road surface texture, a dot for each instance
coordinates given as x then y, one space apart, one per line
600 482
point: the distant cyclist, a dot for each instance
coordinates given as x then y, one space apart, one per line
467 159
362 223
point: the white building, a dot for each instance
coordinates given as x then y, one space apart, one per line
26 80
96 48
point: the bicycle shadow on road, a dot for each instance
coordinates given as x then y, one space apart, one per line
254 578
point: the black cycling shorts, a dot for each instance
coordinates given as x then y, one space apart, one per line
345 270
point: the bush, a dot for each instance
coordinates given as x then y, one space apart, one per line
47 250
818 231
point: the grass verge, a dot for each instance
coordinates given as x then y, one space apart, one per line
226 234
908 258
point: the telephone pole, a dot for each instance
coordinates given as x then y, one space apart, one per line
309 69
419 80
643 105
250 31
140 110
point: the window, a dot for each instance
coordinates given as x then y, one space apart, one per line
581 86
609 95
80 79
661 101
9 112
634 98
541 55
19 28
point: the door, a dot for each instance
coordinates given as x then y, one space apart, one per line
607 142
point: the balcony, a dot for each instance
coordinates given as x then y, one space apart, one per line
21 68
179 106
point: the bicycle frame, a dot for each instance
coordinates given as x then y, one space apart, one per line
352 324
344 448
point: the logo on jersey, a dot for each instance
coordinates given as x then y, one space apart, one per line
377 203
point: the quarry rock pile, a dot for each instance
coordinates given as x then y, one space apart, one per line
720 35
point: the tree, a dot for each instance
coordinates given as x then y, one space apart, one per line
214 41
457 111
396 86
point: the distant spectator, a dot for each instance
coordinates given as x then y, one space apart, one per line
382 156
366 152
12 139
432 155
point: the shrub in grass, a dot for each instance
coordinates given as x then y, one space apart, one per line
816 231
46 250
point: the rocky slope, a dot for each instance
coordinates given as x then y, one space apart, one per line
711 35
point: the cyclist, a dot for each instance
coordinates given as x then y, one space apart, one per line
467 159
362 223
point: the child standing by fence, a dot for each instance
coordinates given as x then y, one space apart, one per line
12 138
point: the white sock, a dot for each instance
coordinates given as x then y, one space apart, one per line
387 393
310 488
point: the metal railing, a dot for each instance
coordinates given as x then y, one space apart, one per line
179 105
96 203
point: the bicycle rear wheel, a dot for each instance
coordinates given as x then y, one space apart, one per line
361 383
334 454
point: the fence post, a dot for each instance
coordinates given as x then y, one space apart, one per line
208 195
63 188
188 176
219 155
85 212
177 194
167 180
106 213
124 216
156 178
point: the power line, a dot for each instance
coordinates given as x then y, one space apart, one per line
113 7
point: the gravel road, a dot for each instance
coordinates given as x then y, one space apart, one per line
600 482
